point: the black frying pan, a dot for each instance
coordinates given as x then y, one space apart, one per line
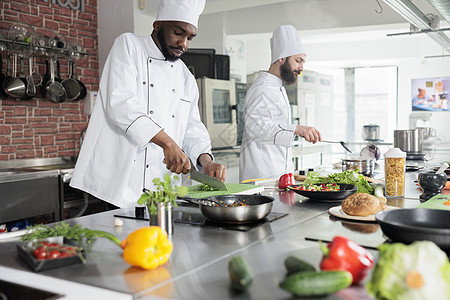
416 224
3 95
256 208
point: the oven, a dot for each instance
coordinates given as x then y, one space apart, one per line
217 105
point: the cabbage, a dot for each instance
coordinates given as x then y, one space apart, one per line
418 271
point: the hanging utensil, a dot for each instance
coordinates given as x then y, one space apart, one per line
54 90
71 85
36 76
83 92
2 79
15 87
346 147
31 88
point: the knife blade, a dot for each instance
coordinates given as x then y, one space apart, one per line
206 179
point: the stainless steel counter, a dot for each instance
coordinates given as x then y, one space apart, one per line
197 268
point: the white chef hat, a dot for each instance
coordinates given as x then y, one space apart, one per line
180 10
285 42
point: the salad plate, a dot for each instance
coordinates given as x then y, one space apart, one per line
345 190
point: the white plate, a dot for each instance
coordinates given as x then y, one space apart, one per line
12 234
337 212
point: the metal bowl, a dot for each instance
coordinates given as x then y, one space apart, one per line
365 165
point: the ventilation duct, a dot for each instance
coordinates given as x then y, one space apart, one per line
443 7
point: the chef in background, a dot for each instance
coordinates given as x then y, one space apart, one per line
268 132
146 112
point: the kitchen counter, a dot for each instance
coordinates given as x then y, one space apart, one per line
197 268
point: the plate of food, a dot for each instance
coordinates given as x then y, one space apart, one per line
361 207
324 191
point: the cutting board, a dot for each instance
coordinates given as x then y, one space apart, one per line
233 189
436 202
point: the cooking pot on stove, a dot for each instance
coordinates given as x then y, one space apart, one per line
365 165
371 132
409 141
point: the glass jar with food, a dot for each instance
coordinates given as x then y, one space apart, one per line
394 172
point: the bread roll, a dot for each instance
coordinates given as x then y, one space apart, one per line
363 205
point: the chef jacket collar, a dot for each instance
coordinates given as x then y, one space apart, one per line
277 80
155 53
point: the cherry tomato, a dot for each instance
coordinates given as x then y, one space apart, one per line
40 253
54 254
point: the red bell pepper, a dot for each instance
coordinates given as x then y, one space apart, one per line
344 254
286 180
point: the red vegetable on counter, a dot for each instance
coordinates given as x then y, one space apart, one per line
286 180
344 254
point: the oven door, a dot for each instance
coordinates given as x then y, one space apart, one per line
217 105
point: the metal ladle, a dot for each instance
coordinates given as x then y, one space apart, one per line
346 147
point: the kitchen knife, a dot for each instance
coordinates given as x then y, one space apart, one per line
206 179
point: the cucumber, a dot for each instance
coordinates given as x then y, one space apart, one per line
316 283
240 273
294 264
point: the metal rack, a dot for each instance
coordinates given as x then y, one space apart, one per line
44 49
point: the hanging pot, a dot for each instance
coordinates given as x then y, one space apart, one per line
54 90
71 85
28 89
2 79
83 91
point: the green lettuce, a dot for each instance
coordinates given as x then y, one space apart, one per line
346 177
417 271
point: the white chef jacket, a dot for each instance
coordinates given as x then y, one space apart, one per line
140 94
268 134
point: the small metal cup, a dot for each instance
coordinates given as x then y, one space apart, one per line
164 218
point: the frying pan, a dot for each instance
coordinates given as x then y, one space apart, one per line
2 78
415 224
71 85
257 208
83 92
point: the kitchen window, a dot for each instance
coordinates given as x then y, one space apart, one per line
364 96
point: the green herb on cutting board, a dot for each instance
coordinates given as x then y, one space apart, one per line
75 233
204 188
347 177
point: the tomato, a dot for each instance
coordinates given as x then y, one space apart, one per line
66 254
40 253
54 254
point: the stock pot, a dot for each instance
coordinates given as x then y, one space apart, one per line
365 165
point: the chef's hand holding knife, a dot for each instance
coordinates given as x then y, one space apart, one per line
177 161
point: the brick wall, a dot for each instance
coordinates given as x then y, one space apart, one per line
38 127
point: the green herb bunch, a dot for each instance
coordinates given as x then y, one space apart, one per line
74 233
164 193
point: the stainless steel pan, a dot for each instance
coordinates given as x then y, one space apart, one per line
256 208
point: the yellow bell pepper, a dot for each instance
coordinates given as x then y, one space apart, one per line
147 247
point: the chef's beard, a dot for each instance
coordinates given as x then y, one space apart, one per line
165 48
287 73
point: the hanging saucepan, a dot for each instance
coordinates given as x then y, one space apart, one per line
248 208
71 85
15 87
82 86
45 79
54 90
28 90
3 95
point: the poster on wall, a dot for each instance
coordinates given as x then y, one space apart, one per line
430 94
